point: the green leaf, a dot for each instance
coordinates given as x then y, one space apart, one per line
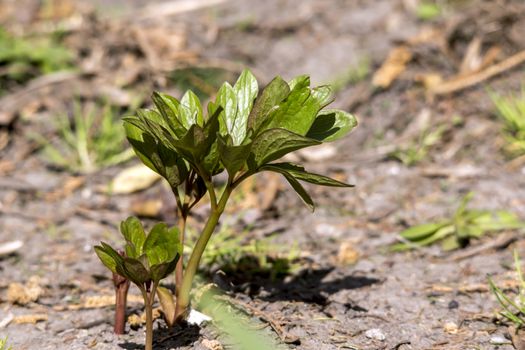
298 111
227 99
323 95
441 233
133 232
154 124
233 157
450 243
191 109
198 141
331 125
168 107
162 245
106 258
211 161
463 205
135 271
272 144
245 90
148 122
156 156
161 271
144 145
272 95
416 233
500 220
299 189
301 174
300 80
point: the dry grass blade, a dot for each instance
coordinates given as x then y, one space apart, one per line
463 82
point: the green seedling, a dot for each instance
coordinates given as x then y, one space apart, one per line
91 141
230 251
244 132
465 225
25 58
148 259
513 307
417 150
511 110
428 11
3 344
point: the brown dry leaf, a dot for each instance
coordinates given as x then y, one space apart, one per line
136 321
150 208
161 45
427 35
347 254
32 318
429 80
436 288
4 139
6 167
472 59
57 9
212 344
136 178
25 294
99 301
394 65
70 185
492 55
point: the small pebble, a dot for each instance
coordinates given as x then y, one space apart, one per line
451 328
375 333
197 318
499 340
453 305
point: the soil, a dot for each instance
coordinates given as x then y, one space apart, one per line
347 290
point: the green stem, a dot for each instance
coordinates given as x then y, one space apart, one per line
148 304
183 299
179 268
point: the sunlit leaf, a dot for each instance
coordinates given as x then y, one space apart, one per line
301 174
331 125
272 144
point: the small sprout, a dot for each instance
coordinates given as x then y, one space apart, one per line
3 344
466 224
415 151
23 58
428 11
513 307
148 259
92 140
511 110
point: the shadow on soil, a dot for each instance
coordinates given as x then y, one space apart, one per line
307 286
169 338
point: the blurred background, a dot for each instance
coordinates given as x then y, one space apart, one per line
438 89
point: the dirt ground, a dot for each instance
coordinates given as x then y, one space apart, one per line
347 290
